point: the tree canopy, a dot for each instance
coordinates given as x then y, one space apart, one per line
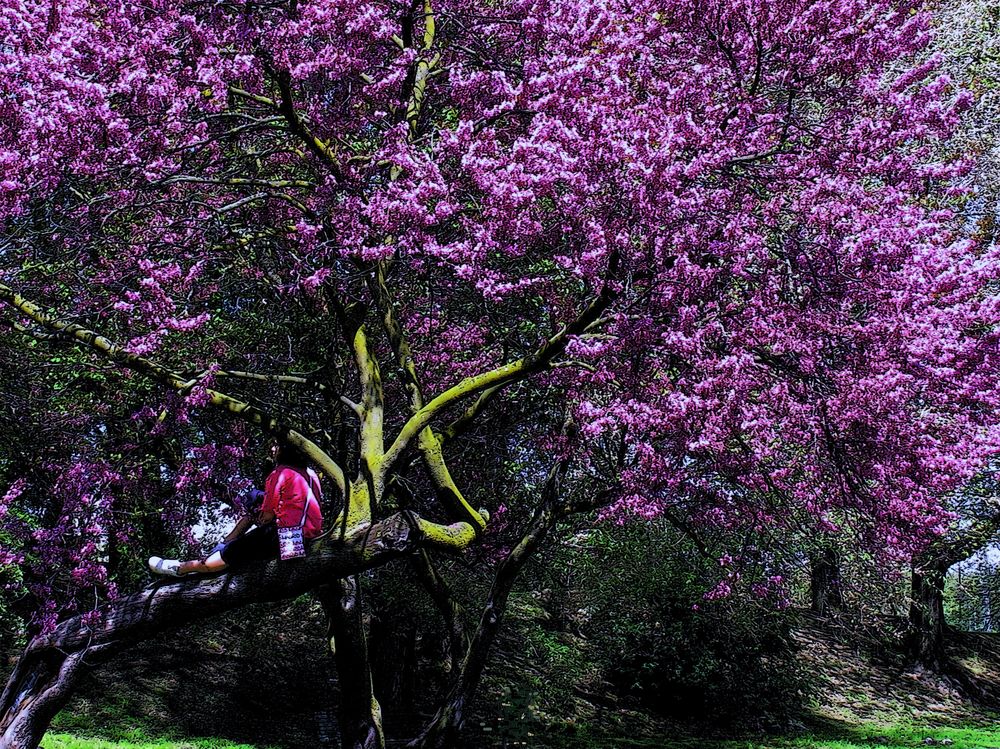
694 257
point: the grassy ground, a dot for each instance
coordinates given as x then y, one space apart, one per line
66 741
884 738
860 737
902 738
861 702
865 737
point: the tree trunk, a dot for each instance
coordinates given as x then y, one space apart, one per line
927 622
444 730
361 715
825 588
450 609
392 651
48 670
38 688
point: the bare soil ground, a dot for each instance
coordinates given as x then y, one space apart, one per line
861 680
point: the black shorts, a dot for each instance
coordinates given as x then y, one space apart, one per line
257 545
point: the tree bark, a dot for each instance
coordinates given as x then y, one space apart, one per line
930 568
48 670
361 714
927 620
450 609
44 684
826 591
392 651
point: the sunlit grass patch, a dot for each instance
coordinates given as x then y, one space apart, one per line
864 736
879 737
66 741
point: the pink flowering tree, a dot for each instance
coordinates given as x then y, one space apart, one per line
690 257
969 52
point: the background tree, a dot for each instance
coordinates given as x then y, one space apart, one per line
969 47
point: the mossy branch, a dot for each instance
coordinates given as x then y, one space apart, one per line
424 67
499 377
428 443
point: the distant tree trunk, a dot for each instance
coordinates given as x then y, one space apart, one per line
826 590
927 621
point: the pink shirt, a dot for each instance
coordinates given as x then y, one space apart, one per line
285 494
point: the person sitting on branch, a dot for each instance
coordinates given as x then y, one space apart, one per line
291 503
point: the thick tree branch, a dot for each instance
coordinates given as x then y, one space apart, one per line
278 184
244 94
272 378
428 443
45 674
34 334
963 543
172 604
464 422
431 454
287 108
397 339
425 64
447 724
450 609
366 492
372 399
499 377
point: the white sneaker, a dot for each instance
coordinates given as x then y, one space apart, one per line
168 567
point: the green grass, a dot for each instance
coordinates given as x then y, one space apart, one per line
903 737
65 741
852 737
870 737
861 737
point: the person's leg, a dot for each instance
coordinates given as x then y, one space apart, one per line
260 544
257 545
176 568
214 563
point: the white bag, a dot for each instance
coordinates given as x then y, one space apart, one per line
291 542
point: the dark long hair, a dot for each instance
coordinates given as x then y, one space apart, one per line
291 455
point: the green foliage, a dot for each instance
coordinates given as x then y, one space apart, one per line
972 595
517 722
729 661
117 716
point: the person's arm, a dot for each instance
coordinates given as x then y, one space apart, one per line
241 527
